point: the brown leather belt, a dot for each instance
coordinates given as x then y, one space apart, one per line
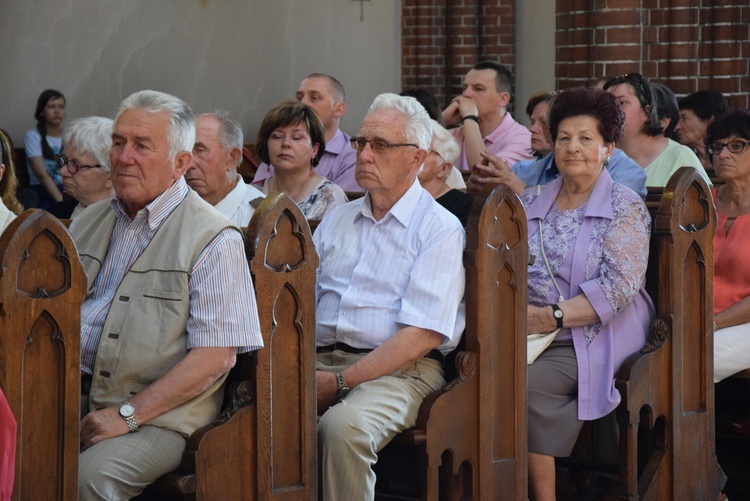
432 354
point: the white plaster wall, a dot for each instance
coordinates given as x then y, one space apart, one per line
535 52
241 55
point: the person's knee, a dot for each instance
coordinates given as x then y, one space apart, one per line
342 430
95 482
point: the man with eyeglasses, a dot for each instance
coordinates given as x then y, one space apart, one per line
84 167
389 299
213 170
483 123
325 95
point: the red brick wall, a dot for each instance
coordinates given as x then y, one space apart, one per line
688 45
442 39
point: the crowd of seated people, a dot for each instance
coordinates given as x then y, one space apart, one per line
389 308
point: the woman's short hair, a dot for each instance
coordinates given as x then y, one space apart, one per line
666 106
444 144
642 91
290 113
91 135
417 123
181 134
537 98
593 102
735 122
705 104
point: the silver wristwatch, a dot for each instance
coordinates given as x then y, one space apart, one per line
127 412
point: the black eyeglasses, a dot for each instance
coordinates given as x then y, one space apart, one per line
72 165
378 145
735 146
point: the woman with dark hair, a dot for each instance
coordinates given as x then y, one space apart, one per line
9 205
536 109
292 140
42 144
728 144
643 133
589 236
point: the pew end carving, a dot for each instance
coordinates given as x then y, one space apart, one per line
672 421
42 285
470 437
263 445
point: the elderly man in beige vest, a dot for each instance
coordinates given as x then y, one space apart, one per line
169 304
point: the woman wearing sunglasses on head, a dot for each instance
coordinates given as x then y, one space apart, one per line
84 166
643 134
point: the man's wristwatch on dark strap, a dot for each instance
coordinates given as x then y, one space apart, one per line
127 412
558 314
343 389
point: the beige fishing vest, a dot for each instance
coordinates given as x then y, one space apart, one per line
145 333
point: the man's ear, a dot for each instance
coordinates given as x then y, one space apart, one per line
419 158
339 109
2 171
181 163
444 170
235 157
504 99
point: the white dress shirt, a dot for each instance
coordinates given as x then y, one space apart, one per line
236 205
376 277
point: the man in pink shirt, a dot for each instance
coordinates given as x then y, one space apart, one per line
482 121
325 95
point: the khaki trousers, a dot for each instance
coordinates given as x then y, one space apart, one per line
352 432
121 467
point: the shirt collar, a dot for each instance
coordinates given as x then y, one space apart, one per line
599 204
402 210
338 142
233 198
161 207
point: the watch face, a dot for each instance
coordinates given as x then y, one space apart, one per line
127 409
558 313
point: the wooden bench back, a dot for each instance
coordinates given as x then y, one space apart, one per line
668 386
472 434
264 444
42 285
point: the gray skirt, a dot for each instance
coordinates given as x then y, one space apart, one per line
553 401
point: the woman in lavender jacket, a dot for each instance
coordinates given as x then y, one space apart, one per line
590 239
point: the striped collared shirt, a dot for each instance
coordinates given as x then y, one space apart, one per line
223 311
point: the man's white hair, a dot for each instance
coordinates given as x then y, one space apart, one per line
181 134
417 123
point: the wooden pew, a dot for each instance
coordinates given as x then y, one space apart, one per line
470 437
263 445
667 388
42 285
666 417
